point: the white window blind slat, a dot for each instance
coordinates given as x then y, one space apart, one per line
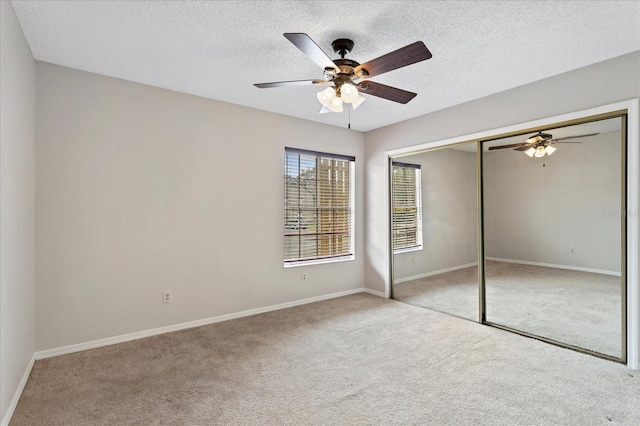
318 201
406 206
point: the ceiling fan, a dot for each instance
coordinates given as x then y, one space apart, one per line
540 144
346 77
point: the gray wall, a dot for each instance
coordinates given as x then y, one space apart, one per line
537 214
142 190
603 83
449 213
17 199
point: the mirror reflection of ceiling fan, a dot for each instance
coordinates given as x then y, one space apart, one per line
540 144
345 77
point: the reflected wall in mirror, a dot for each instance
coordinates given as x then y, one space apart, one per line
434 221
553 235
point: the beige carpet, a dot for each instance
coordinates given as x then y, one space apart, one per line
579 308
355 360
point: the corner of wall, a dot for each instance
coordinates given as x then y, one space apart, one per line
17 211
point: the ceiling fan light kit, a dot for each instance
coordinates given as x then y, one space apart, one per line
345 75
333 98
540 151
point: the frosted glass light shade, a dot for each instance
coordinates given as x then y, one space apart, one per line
530 152
540 151
358 101
335 105
348 93
326 96
550 149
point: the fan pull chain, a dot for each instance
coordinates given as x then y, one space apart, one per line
349 124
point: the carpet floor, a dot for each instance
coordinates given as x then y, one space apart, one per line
355 360
582 309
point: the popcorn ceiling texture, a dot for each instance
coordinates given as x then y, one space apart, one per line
219 49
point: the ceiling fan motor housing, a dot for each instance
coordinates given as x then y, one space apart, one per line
545 136
539 137
346 66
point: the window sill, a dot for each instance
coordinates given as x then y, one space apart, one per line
319 261
407 250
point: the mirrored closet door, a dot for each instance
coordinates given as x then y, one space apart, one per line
551 237
434 221
554 234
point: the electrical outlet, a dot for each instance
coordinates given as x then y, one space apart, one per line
166 297
303 277
573 250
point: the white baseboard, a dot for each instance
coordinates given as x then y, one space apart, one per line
18 393
48 353
375 292
553 265
438 272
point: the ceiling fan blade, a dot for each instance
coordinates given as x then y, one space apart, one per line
525 147
311 49
385 92
415 52
290 83
566 142
575 137
513 145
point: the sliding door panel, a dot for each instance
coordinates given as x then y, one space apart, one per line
434 221
553 224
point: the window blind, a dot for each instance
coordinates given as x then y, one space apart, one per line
406 206
318 199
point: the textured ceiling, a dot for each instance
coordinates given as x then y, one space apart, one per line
219 49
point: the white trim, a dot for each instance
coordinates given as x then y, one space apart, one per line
633 201
438 272
376 293
48 353
407 249
18 393
554 265
336 259
386 188
633 235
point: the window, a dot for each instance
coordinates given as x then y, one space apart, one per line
407 207
318 206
